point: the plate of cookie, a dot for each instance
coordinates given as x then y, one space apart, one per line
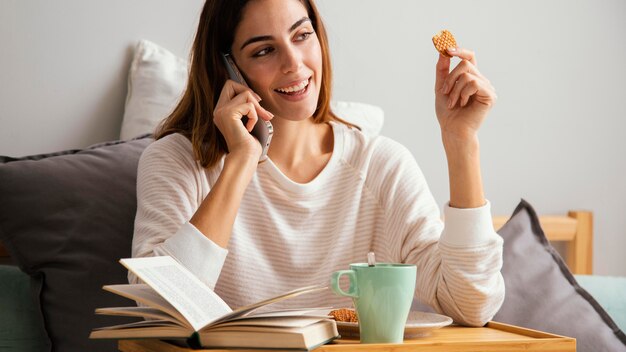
418 324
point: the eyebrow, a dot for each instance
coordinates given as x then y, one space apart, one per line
269 37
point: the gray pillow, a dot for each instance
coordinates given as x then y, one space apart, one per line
66 219
542 294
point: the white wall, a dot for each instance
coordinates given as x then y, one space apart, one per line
63 66
554 137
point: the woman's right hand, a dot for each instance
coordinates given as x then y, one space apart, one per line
235 102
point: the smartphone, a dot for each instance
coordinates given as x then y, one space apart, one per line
262 130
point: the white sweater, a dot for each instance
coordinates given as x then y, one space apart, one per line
371 196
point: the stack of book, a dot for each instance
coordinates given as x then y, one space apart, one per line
176 305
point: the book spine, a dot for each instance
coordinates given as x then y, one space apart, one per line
194 341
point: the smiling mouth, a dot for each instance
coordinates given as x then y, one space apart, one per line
297 89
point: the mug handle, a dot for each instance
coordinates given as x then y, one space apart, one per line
334 283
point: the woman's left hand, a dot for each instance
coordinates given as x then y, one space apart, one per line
463 96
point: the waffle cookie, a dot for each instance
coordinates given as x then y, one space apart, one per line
344 315
444 40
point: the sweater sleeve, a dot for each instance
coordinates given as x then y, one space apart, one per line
458 263
168 194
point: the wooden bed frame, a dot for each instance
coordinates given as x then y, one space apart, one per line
575 230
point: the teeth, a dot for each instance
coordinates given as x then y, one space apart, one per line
295 88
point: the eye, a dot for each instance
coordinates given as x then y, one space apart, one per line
305 35
263 52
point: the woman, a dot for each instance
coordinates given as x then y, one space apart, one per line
327 194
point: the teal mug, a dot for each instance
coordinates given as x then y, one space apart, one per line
382 296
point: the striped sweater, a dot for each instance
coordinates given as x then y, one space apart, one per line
371 196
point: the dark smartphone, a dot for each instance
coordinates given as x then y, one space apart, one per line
262 130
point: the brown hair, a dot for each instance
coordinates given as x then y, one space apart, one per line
193 116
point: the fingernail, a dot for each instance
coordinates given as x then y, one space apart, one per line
450 104
258 97
445 88
271 115
451 49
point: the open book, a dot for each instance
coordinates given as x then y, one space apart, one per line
177 305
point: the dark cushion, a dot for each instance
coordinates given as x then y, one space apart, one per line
542 294
21 325
66 219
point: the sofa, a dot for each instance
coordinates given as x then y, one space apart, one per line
66 218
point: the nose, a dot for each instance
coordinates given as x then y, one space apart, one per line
291 59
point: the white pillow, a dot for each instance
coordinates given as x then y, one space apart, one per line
157 79
369 117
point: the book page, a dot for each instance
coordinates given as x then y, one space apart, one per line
190 296
141 323
244 311
141 312
144 294
281 322
309 312
321 313
142 329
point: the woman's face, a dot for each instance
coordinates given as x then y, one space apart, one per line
277 50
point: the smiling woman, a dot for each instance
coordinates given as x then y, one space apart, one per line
327 194
288 62
254 52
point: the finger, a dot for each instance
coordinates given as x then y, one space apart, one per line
243 97
253 117
477 89
248 110
461 90
462 68
250 97
265 114
467 92
443 69
464 54
455 93
485 94
232 89
236 109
